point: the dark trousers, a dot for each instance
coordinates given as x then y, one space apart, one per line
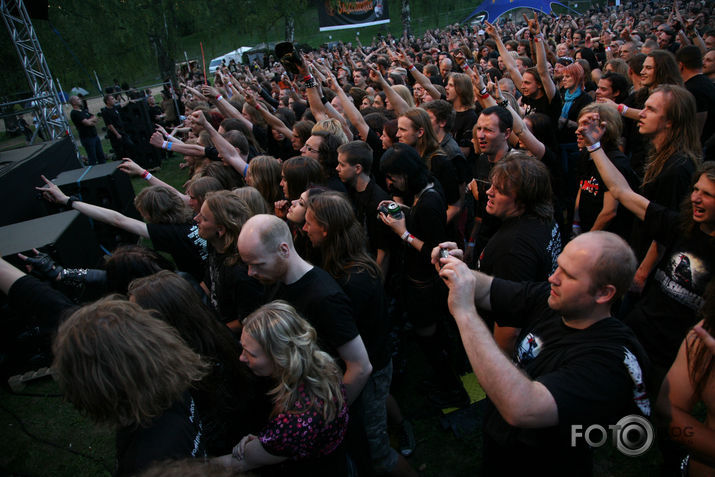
93 146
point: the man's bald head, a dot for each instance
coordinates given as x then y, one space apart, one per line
267 231
75 101
615 263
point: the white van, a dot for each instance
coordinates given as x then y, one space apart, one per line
234 55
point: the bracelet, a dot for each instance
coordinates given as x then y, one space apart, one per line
483 95
219 98
307 77
145 173
163 144
147 176
503 103
70 200
310 83
168 146
594 147
622 109
405 235
412 67
483 91
410 239
245 170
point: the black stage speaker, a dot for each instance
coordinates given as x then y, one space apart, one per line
20 171
106 186
68 237
138 125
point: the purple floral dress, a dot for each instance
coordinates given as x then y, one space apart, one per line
302 433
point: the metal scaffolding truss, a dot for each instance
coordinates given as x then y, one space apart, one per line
44 101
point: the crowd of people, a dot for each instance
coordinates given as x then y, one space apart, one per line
547 186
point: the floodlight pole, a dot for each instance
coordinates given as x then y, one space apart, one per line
45 100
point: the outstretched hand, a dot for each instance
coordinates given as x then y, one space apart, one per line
130 167
51 192
533 24
591 128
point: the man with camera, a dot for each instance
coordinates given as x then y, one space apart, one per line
574 364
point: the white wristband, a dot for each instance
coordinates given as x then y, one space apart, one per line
405 235
164 144
594 147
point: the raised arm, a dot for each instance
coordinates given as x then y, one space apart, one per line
521 402
157 140
272 120
133 169
507 59
418 75
398 104
53 193
224 106
351 111
541 62
592 131
224 148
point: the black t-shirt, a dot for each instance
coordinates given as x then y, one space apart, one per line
37 299
176 434
542 105
112 118
374 141
668 189
703 90
232 293
183 243
595 375
592 190
672 297
320 300
524 248
77 117
367 295
365 204
444 171
426 220
464 122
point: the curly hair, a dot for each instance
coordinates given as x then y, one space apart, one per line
121 366
291 342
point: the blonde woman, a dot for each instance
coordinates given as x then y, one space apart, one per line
309 417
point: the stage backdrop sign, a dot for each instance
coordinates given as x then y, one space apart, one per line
342 14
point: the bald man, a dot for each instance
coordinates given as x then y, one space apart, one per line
574 364
266 247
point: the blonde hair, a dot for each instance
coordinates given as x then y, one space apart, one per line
331 126
121 366
405 94
255 201
614 123
291 342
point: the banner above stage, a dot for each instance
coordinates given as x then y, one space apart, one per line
343 14
496 8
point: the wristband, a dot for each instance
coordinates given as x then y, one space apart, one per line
307 77
405 235
219 98
147 176
70 200
410 239
484 96
412 67
594 147
145 173
483 91
164 144
245 170
168 146
622 109
503 103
